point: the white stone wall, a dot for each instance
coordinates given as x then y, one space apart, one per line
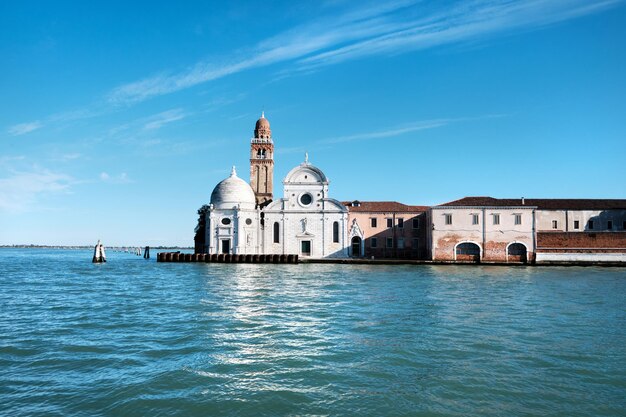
580 257
244 238
318 230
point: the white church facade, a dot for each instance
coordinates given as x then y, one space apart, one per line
244 219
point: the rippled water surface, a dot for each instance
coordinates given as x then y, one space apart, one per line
133 337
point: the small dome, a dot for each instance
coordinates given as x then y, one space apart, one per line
262 128
231 192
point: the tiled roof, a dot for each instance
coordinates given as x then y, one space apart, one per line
541 203
382 207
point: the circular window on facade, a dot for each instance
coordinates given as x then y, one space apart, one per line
248 222
306 199
225 221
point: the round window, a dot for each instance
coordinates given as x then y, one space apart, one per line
248 222
306 199
225 221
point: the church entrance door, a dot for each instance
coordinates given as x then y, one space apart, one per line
356 246
226 246
305 247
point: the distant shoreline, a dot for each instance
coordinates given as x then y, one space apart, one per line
88 247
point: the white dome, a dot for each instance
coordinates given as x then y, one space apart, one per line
231 192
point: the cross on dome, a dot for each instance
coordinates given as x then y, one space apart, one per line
233 172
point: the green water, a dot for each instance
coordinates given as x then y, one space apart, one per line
133 337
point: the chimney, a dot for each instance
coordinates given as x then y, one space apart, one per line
522 201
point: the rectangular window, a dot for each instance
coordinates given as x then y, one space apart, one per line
518 219
390 242
335 232
448 219
415 244
576 225
400 222
416 223
389 222
474 218
496 219
374 242
373 222
590 224
609 224
624 225
400 243
555 224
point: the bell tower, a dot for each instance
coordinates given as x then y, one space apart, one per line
262 162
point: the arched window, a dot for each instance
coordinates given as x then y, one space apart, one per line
336 232
276 232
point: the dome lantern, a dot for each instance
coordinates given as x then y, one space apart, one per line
262 128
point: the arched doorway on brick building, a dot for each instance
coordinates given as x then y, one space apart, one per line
467 251
516 252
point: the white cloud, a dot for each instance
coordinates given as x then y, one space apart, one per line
390 27
159 120
22 190
394 131
23 128
115 179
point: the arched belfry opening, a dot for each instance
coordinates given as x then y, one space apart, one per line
262 162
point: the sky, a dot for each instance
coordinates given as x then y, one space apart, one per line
118 118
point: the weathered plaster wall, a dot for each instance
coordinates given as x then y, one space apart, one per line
493 239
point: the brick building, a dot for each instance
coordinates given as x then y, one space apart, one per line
541 230
386 229
482 229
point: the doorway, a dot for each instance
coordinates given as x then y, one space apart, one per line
356 246
305 247
226 246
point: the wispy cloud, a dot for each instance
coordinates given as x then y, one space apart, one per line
387 28
23 128
466 21
159 120
393 131
115 179
21 190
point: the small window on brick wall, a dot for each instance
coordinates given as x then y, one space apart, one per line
374 242
576 225
590 225
373 222
609 224
390 242
555 224
389 222
416 223
400 223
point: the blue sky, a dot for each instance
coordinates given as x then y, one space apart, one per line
118 118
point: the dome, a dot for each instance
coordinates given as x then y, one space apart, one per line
305 173
231 192
262 128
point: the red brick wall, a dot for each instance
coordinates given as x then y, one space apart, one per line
579 241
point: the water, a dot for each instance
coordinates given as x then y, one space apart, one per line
133 337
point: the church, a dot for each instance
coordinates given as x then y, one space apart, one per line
244 218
